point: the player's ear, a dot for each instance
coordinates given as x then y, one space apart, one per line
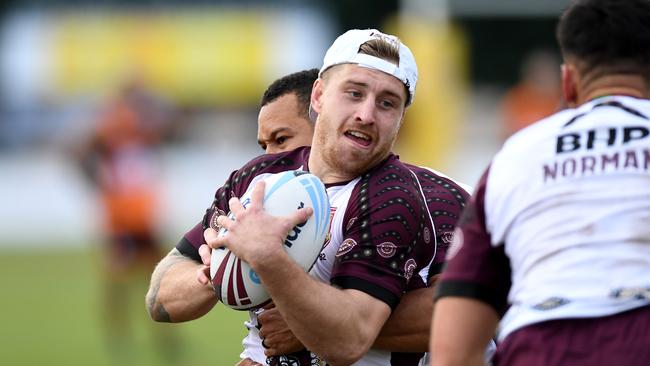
570 80
316 95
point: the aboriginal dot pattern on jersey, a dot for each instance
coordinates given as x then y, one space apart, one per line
365 230
390 233
439 206
438 182
445 200
439 200
399 218
446 227
414 183
390 182
226 187
400 202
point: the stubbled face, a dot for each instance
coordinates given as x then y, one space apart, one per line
281 127
360 111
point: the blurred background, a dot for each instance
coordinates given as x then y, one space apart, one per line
118 119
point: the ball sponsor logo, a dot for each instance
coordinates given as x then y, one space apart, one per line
295 232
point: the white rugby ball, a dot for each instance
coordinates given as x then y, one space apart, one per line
235 283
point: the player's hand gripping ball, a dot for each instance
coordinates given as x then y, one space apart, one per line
234 281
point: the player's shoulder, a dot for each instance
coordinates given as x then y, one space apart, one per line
434 177
279 162
272 163
388 181
524 147
618 103
239 180
541 129
391 170
388 199
610 109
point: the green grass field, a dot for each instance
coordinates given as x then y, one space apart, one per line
51 315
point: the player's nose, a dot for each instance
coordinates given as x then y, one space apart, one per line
366 110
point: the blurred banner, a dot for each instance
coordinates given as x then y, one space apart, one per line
216 56
58 68
430 133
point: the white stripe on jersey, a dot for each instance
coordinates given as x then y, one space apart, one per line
424 272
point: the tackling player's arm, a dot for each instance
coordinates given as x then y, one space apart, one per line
462 327
405 331
180 288
174 294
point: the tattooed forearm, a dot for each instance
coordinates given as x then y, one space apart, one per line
156 309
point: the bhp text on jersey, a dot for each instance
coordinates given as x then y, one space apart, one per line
598 151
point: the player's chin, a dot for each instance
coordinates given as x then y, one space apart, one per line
354 166
360 163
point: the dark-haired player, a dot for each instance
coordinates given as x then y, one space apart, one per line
283 123
556 240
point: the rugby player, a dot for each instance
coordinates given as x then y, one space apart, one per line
554 246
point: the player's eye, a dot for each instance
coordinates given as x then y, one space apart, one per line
387 104
355 94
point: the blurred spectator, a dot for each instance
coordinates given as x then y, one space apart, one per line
536 95
120 160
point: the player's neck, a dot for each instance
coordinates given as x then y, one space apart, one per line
618 84
326 173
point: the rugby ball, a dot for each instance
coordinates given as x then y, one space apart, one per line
234 281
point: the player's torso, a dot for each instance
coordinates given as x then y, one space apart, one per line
347 201
570 198
339 197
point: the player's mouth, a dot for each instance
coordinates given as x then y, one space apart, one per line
359 138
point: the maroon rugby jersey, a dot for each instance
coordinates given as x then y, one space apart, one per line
384 235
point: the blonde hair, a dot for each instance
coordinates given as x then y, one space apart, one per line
384 48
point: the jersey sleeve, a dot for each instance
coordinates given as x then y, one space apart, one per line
475 267
191 241
446 200
387 235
